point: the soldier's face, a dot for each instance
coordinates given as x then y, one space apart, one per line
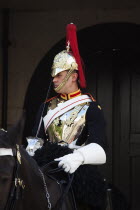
68 86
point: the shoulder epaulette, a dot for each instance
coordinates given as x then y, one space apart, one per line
50 99
90 96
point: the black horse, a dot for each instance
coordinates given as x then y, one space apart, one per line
27 184
23 186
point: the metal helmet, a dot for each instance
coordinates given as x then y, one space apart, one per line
69 59
63 61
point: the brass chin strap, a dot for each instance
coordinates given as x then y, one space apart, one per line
64 80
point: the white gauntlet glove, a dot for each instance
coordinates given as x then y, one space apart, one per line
70 162
90 154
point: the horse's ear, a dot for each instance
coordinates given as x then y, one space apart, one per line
15 132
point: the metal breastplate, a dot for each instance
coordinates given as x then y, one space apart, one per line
68 126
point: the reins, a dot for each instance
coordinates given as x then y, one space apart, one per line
50 174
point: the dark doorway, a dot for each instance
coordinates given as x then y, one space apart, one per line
111 53
117 89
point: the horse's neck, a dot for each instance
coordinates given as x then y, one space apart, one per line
34 195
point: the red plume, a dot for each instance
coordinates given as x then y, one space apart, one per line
71 36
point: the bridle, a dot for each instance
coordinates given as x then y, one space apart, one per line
17 183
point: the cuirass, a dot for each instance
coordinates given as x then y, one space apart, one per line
69 125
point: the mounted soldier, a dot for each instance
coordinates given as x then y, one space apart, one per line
71 118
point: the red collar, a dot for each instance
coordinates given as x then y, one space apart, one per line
71 95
